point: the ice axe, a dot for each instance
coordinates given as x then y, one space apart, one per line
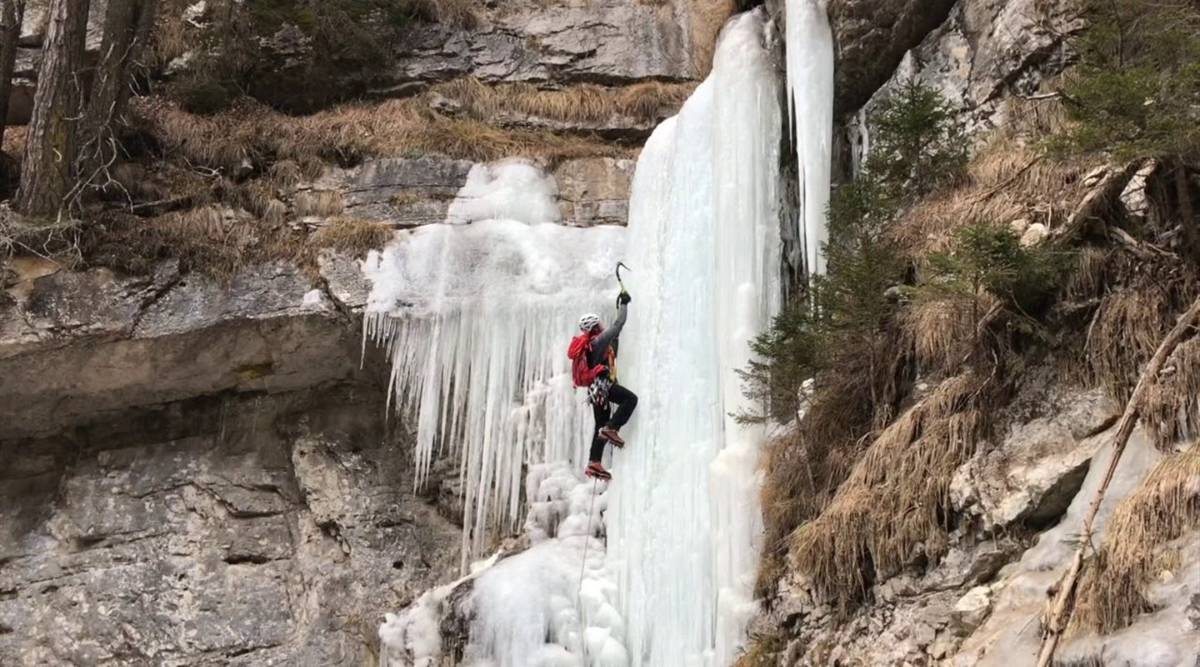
621 265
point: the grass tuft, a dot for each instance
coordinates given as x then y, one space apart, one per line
1126 330
252 136
1172 407
212 240
646 103
352 236
1114 591
320 203
894 508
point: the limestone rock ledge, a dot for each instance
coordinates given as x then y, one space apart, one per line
77 345
409 192
985 54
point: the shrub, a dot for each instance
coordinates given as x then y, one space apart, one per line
989 260
1136 90
916 147
917 144
300 55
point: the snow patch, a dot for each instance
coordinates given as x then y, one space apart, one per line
313 297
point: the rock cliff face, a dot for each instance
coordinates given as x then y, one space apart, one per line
985 55
1020 501
406 192
553 45
238 528
200 473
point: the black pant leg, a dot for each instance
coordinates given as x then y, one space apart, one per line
600 413
626 403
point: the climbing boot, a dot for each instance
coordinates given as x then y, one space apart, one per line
597 471
610 434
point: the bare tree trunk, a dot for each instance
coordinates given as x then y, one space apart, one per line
49 171
11 14
1059 613
127 25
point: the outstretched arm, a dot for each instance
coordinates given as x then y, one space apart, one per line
610 334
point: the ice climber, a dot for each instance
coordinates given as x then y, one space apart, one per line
593 355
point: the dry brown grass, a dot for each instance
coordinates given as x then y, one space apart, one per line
172 36
762 651
1172 407
1114 590
1129 325
320 203
1008 180
804 467
219 242
941 332
287 174
1085 281
212 240
458 13
250 133
647 102
14 140
351 236
707 17
894 507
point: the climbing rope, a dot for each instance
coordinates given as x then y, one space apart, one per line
587 539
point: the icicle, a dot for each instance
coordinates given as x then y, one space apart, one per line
810 89
860 142
476 317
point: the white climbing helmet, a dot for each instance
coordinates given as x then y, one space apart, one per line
588 322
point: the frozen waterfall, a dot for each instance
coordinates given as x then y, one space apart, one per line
810 96
704 235
477 313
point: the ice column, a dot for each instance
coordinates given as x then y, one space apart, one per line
704 241
475 315
810 94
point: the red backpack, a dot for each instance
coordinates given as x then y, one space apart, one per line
581 348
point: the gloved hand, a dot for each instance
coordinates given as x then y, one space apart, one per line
624 298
